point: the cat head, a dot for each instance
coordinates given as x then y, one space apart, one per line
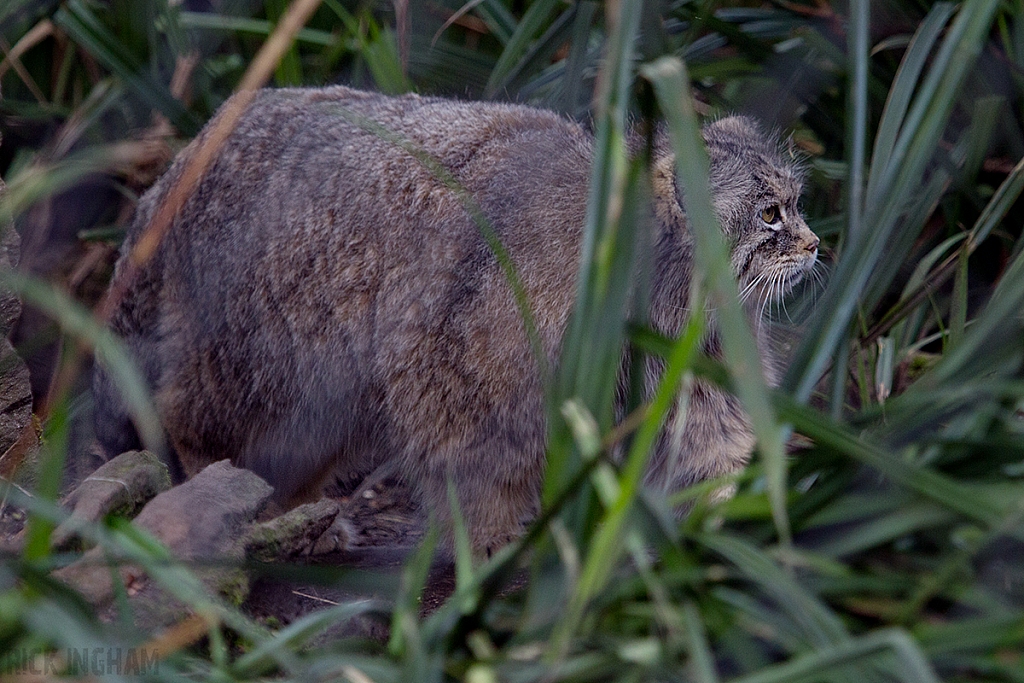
755 187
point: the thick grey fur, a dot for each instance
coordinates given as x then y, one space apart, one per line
324 302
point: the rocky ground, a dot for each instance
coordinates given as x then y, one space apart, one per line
222 519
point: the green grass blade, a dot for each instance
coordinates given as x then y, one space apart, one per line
907 519
380 50
958 302
55 440
607 546
289 68
406 640
928 483
981 634
592 348
13 12
700 651
38 182
902 89
994 212
963 160
937 95
260 27
498 19
910 661
920 283
519 44
576 62
859 46
818 624
447 66
540 52
80 323
85 28
268 654
898 184
999 319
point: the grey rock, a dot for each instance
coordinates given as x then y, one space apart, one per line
121 486
10 304
300 531
19 436
204 519
338 537
10 252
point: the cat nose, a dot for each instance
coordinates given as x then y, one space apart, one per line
812 244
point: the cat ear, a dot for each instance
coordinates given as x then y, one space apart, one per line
668 199
734 128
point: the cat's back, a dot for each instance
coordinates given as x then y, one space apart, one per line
337 171
309 138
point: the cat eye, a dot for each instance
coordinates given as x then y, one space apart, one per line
771 214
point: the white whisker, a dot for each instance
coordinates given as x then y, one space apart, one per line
749 289
782 301
764 304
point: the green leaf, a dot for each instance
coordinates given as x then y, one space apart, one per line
498 19
592 349
818 624
55 438
900 522
519 44
891 188
289 68
261 27
928 483
576 62
909 662
85 28
902 89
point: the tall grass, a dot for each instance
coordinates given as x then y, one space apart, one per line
887 548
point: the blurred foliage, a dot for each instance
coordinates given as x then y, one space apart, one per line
889 547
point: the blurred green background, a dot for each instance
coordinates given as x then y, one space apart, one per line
887 545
